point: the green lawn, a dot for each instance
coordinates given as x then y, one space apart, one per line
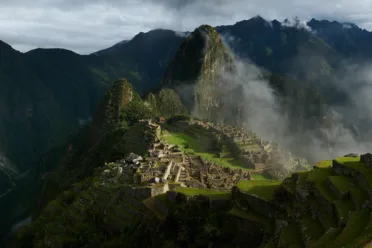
258 176
253 216
358 196
290 237
342 183
323 164
364 237
313 228
214 194
150 204
318 177
202 146
358 220
343 209
327 238
264 189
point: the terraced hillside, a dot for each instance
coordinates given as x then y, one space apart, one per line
234 148
329 206
191 188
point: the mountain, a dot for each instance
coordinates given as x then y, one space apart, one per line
187 186
100 173
346 38
71 85
307 209
49 94
197 70
217 86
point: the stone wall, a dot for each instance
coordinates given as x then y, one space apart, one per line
144 192
366 159
357 176
336 191
247 201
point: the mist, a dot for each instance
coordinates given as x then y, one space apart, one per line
247 99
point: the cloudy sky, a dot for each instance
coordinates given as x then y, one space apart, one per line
85 26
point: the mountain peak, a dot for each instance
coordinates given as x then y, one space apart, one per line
198 65
109 110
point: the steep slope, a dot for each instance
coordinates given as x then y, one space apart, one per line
143 58
115 132
325 207
216 86
346 38
286 49
47 94
69 86
31 118
198 68
143 202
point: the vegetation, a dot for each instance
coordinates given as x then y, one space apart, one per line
263 189
213 194
76 209
290 237
202 145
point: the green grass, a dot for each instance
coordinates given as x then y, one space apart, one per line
150 204
343 208
213 194
164 199
202 146
364 237
358 220
355 164
253 216
313 228
358 196
302 178
318 177
327 238
290 237
323 164
258 176
269 244
342 183
264 189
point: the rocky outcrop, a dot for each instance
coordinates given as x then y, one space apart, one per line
197 70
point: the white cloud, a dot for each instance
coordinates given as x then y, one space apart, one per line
87 26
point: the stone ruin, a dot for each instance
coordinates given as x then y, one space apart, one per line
366 159
256 153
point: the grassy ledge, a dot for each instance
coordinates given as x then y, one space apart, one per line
264 189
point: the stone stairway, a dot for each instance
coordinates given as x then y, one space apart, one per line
182 177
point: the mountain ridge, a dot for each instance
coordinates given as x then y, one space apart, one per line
56 94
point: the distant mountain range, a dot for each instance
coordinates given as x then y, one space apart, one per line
47 94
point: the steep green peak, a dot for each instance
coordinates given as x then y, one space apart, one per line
110 109
197 71
207 30
198 53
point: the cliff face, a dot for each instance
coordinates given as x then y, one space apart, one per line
197 69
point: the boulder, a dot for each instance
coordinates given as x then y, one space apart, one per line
155 180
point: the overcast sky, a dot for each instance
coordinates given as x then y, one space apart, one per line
85 26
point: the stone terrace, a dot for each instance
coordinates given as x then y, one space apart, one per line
258 154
